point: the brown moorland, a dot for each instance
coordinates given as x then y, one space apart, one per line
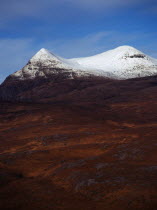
85 144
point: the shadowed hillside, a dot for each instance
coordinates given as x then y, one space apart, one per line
93 146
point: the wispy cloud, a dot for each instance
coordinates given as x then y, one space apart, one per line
151 9
14 53
105 5
52 8
77 47
102 41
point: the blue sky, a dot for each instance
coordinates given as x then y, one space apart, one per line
73 28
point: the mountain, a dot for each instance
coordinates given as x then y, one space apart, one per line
124 62
121 63
37 79
99 152
46 64
88 143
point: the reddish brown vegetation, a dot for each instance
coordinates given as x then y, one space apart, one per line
96 151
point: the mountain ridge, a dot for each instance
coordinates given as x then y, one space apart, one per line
124 62
38 78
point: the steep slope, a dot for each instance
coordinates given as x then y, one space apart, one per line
45 64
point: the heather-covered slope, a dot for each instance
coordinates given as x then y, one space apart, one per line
97 152
94 89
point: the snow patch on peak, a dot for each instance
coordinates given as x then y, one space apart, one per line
126 48
43 55
43 50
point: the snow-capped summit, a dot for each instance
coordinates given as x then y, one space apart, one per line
42 55
123 62
43 64
121 50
